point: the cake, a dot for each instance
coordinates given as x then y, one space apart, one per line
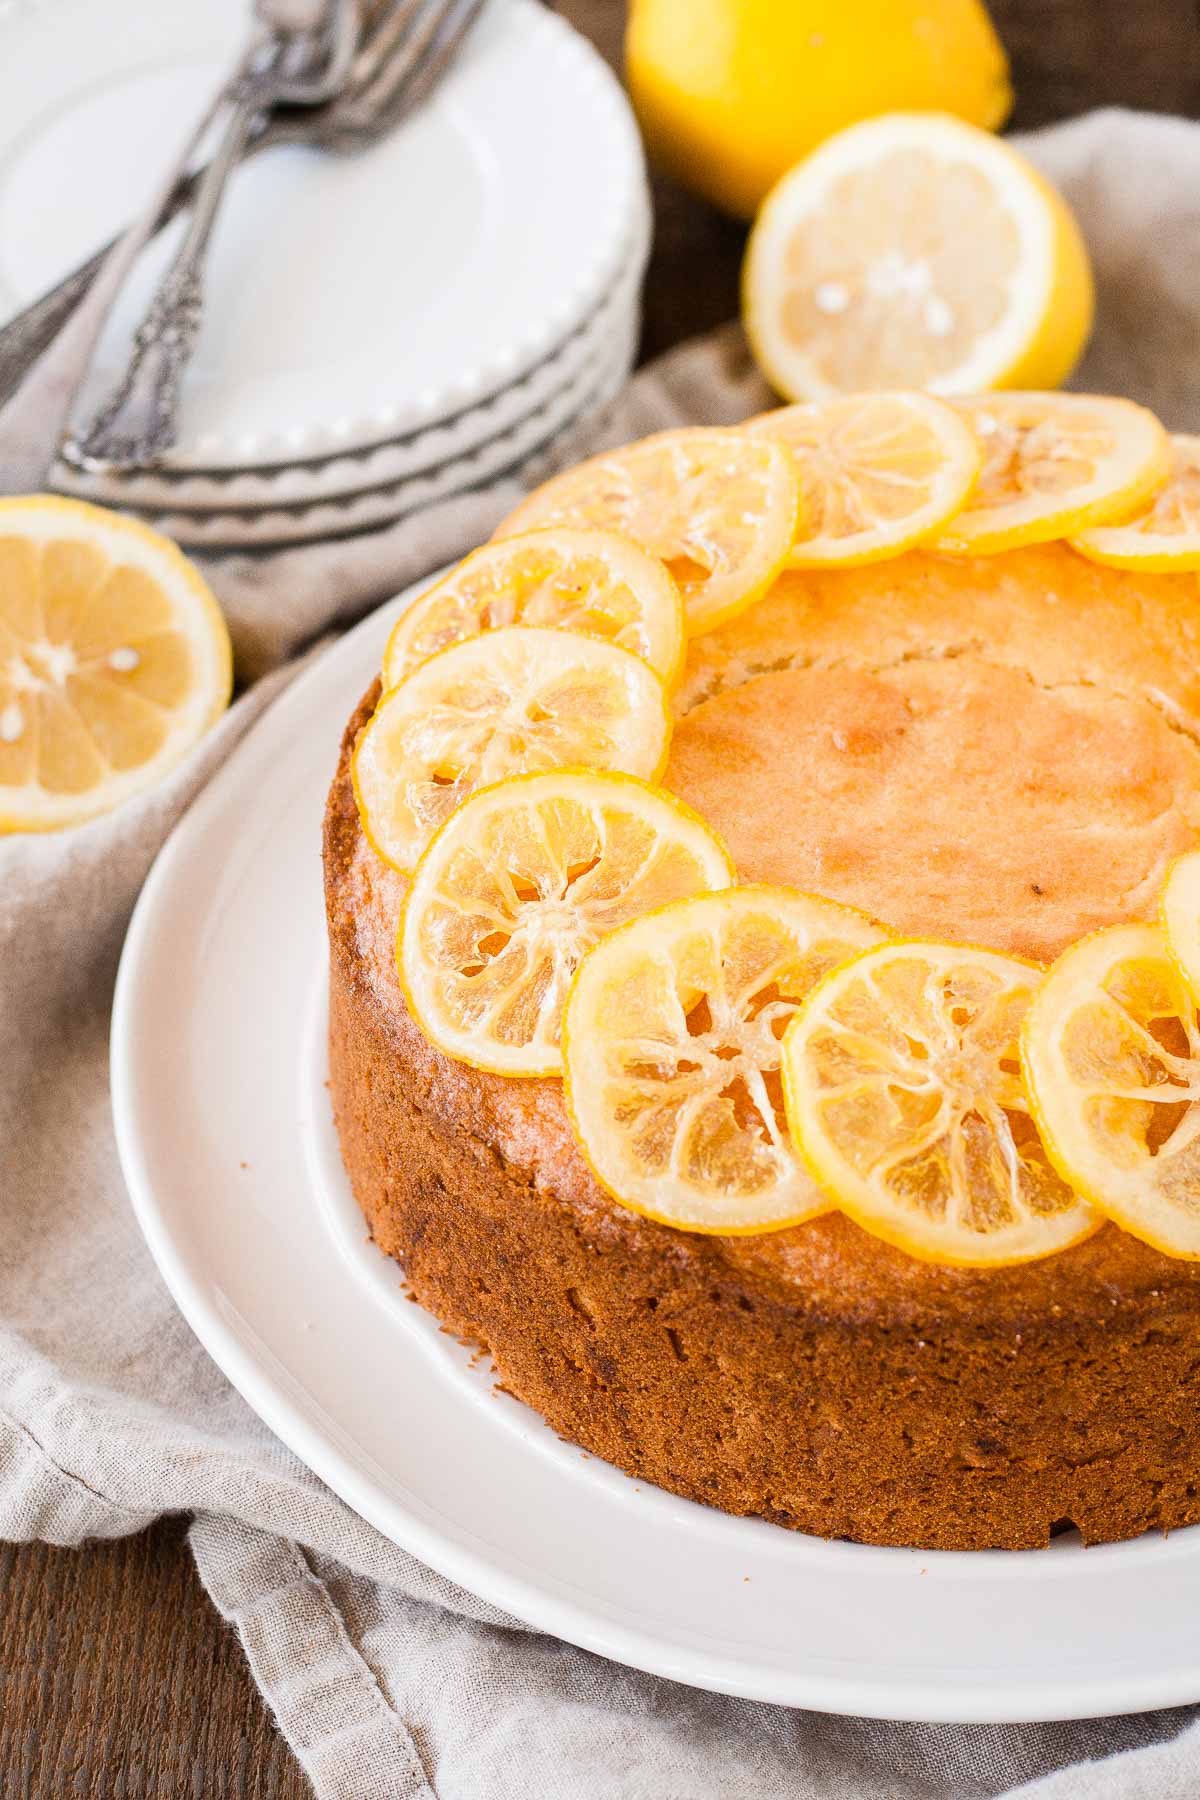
1001 750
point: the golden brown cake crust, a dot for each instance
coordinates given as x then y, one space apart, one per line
815 1376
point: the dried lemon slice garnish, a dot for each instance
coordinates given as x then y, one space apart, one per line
671 1045
1165 534
878 473
1053 466
1180 912
114 660
904 1094
514 702
1111 1051
518 885
717 507
588 581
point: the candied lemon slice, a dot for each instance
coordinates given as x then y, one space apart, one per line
717 507
1180 911
589 581
518 885
1111 1051
878 473
914 251
1054 464
114 660
903 1087
1165 534
511 703
671 1045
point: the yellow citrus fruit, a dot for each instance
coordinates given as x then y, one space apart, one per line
1165 533
914 251
731 93
671 1045
114 661
903 1086
518 885
878 473
1052 465
516 701
1180 913
1111 1051
589 581
717 507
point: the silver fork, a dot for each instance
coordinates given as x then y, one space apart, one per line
388 55
303 59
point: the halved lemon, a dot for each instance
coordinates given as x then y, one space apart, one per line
1054 464
518 885
671 1045
915 251
878 473
1165 534
511 703
903 1086
1111 1050
717 507
1180 913
589 581
114 661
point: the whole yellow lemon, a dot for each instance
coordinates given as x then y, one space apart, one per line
731 93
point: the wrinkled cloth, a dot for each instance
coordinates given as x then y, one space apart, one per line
388 1680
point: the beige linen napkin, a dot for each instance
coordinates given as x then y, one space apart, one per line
389 1681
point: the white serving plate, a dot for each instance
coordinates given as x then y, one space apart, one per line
402 459
519 454
353 298
224 1134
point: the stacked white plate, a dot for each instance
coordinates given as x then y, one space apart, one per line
435 314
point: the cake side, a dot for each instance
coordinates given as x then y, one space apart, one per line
816 1376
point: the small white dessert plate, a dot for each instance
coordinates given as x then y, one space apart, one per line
223 1126
351 298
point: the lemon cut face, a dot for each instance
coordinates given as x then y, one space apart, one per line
905 1095
672 1044
915 251
513 702
1112 1054
878 473
114 661
718 508
592 582
518 885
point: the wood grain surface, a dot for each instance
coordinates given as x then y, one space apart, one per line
117 1679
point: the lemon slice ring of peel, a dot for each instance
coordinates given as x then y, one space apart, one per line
904 1095
588 581
878 473
1179 909
671 1047
1165 534
717 507
516 701
1053 465
114 661
518 885
1111 1049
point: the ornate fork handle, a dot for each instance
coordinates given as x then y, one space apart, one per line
138 422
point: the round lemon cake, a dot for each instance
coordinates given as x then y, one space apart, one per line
999 751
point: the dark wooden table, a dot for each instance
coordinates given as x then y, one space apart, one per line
117 1679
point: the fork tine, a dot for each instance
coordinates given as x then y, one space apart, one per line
458 19
425 22
386 24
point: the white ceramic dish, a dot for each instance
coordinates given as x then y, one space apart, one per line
419 453
345 288
222 1122
523 453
